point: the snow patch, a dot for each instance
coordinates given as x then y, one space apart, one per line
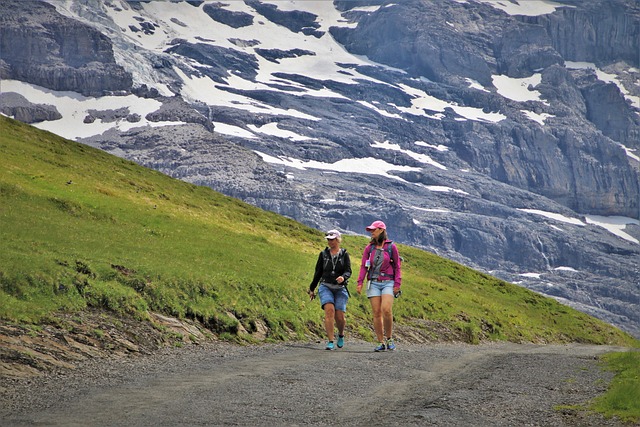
369 165
518 89
525 7
615 225
422 158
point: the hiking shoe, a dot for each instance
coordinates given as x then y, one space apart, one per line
380 347
329 346
340 341
390 344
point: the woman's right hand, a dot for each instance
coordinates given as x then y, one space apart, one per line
359 288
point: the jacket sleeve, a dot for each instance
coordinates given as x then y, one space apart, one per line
347 266
363 269
397 264
318 273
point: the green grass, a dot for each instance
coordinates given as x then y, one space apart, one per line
622 399
83 229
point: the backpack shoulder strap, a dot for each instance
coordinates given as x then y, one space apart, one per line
325 255
368 250
390 250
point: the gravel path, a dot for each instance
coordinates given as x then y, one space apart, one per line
302 384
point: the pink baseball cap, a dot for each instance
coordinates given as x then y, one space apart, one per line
376 224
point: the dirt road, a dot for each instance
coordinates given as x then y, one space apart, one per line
303 384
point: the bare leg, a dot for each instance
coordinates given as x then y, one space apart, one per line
377 317
387 314
340 322
329 314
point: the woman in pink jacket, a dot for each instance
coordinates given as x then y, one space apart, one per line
381 266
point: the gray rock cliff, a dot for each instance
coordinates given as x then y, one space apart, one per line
421 133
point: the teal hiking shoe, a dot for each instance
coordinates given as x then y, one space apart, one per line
340 341
380 347
391 345
329 345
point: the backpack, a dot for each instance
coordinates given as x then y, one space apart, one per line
388 250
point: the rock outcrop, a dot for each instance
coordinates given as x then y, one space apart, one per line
456 43
15 105
42 47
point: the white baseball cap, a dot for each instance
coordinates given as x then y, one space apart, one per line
332 234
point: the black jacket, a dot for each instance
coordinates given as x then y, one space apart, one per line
325 271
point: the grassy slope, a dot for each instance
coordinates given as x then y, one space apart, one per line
81 228
622 400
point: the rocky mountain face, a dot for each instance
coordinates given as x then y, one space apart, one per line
40 45
498 134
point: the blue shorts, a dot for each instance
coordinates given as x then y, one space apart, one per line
337 297
376 289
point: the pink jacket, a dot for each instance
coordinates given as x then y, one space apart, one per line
389 269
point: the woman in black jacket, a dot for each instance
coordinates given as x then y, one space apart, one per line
333 270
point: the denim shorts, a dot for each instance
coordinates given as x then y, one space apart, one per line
377 289
337 297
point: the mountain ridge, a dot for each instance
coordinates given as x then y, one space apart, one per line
437 138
